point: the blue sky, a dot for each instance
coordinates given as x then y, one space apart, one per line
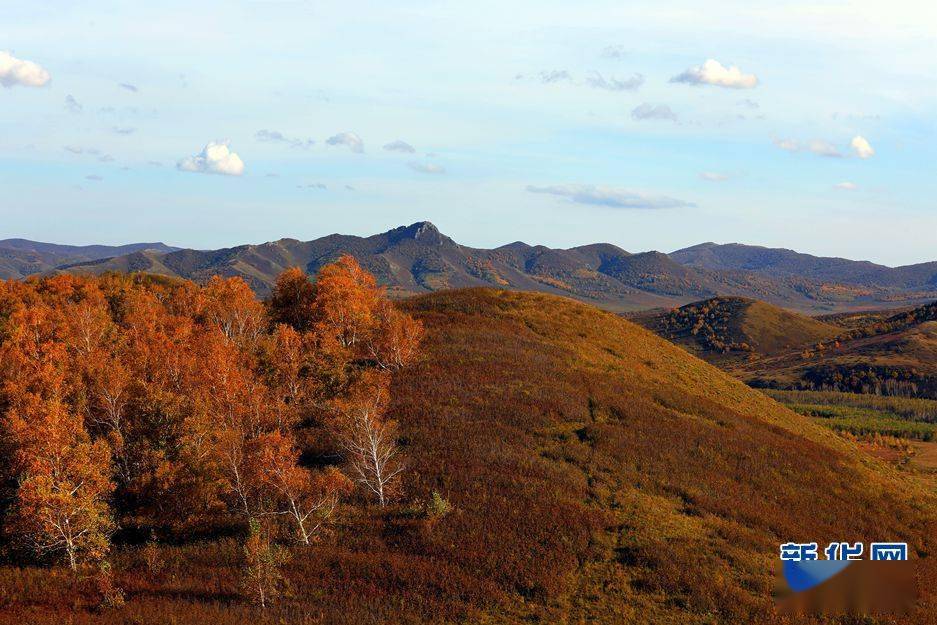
648 125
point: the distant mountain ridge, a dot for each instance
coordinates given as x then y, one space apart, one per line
21 257
419 258
776 262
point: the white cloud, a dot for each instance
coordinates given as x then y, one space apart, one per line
712 72
597 81
399 146
653 111
823 148
273 136
814 146
426 168
861 147
14 71
350 139
555 75
846 186
609 196
215 158
714 176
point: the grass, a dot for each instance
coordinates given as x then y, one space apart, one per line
595 472
924 410
865 415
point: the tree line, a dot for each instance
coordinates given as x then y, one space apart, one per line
164 407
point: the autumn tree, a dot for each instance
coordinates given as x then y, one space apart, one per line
60 506
172 407
368 438
346 297
231 306
262 577
307 498
395 337
291 300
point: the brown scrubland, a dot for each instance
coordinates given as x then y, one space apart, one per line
473 456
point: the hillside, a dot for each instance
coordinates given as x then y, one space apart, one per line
20 257
726 329
419 259
895 355
596 473
780 263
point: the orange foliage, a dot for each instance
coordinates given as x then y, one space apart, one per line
176 408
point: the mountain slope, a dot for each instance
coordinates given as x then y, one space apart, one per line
896 355
605 475
418 259
21 257
779 263
727 329
596 473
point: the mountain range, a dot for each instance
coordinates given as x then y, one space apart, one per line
20 258
419 258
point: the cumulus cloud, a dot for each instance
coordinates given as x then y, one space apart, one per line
609 196
272 136
846 186
653 111
712 72
714 176
349 139
426 168
215 158
72 105
861 147
399 146
814 146
128 86
14 71
597 81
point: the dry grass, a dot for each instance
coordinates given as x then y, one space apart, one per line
596 473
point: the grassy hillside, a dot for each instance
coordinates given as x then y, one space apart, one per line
727 329
894 355
596 473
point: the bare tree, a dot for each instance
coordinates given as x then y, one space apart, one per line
373 454
370 440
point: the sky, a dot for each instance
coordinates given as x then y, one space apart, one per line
650 125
